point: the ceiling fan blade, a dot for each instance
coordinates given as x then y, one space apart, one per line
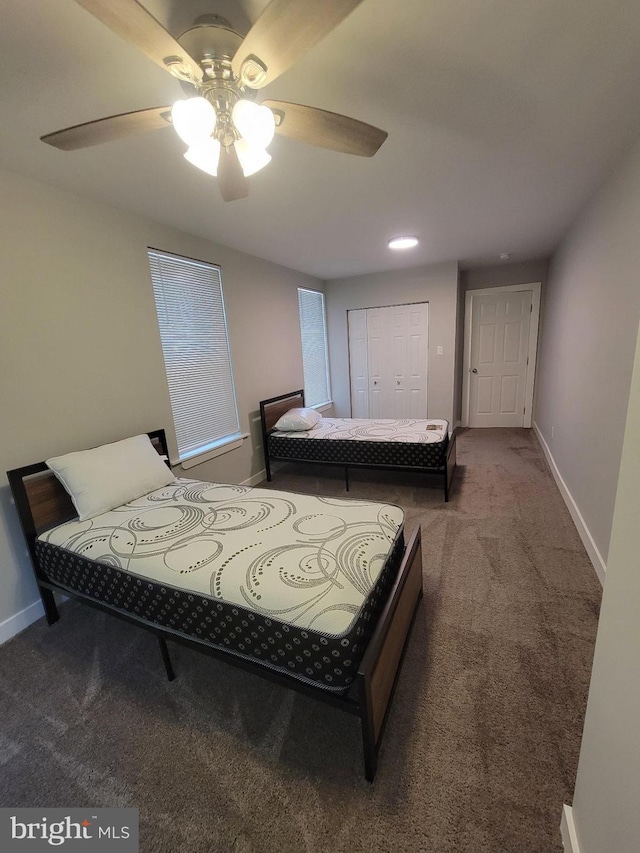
130 20
325 129
106 129
285 30
231 180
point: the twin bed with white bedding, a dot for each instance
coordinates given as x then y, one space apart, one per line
316 593
407 444
292 580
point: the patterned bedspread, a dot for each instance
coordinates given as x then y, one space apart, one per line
360 429
406 443
295 580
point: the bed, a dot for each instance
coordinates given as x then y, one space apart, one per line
423 446
317 594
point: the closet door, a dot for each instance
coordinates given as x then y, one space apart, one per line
358 363
379 368
408 329
388 350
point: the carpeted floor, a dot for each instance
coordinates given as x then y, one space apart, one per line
481 745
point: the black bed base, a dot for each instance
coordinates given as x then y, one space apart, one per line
445 473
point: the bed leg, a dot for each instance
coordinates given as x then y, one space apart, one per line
369 745
50 606
450 465
346 478
164 651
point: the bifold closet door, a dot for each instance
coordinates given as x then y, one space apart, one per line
393 365
358 363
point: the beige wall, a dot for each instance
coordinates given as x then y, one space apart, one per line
81 361
605 804
437 285
592 305
585 367
505 274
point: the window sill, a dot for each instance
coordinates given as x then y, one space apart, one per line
323 407
224 446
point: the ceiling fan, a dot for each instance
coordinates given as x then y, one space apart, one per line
227 131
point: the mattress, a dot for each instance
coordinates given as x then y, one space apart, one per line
405 443
294 581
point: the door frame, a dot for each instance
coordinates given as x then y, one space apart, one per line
535 288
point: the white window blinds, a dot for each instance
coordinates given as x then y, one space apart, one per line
195 345
315 360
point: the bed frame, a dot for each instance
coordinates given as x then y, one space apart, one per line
42 503
275 407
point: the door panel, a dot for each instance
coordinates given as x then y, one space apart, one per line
378 363
487 342
485 394
512 349
358 363
509 395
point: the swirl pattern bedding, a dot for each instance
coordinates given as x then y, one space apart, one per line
353 441
295 581
374 429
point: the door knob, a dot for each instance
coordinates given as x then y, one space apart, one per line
475 370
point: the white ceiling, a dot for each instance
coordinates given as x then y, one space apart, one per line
503 117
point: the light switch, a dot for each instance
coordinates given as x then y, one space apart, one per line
440 351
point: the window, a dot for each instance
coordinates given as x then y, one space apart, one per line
195 345
313 331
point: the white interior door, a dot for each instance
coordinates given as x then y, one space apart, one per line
388 350
498 363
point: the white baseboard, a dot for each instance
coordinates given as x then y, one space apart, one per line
255 479
19 621
587 540
568 831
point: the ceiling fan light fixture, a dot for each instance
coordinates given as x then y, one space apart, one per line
194 120
219 69
255 123
205 156
403 242
252 157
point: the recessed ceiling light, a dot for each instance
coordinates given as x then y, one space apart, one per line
403 242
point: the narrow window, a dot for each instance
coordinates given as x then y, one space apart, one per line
313 331
195 345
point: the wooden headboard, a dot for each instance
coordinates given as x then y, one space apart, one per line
42 501
275 407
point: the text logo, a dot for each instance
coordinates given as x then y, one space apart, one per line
102 830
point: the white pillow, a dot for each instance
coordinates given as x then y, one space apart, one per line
111 475
298 419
